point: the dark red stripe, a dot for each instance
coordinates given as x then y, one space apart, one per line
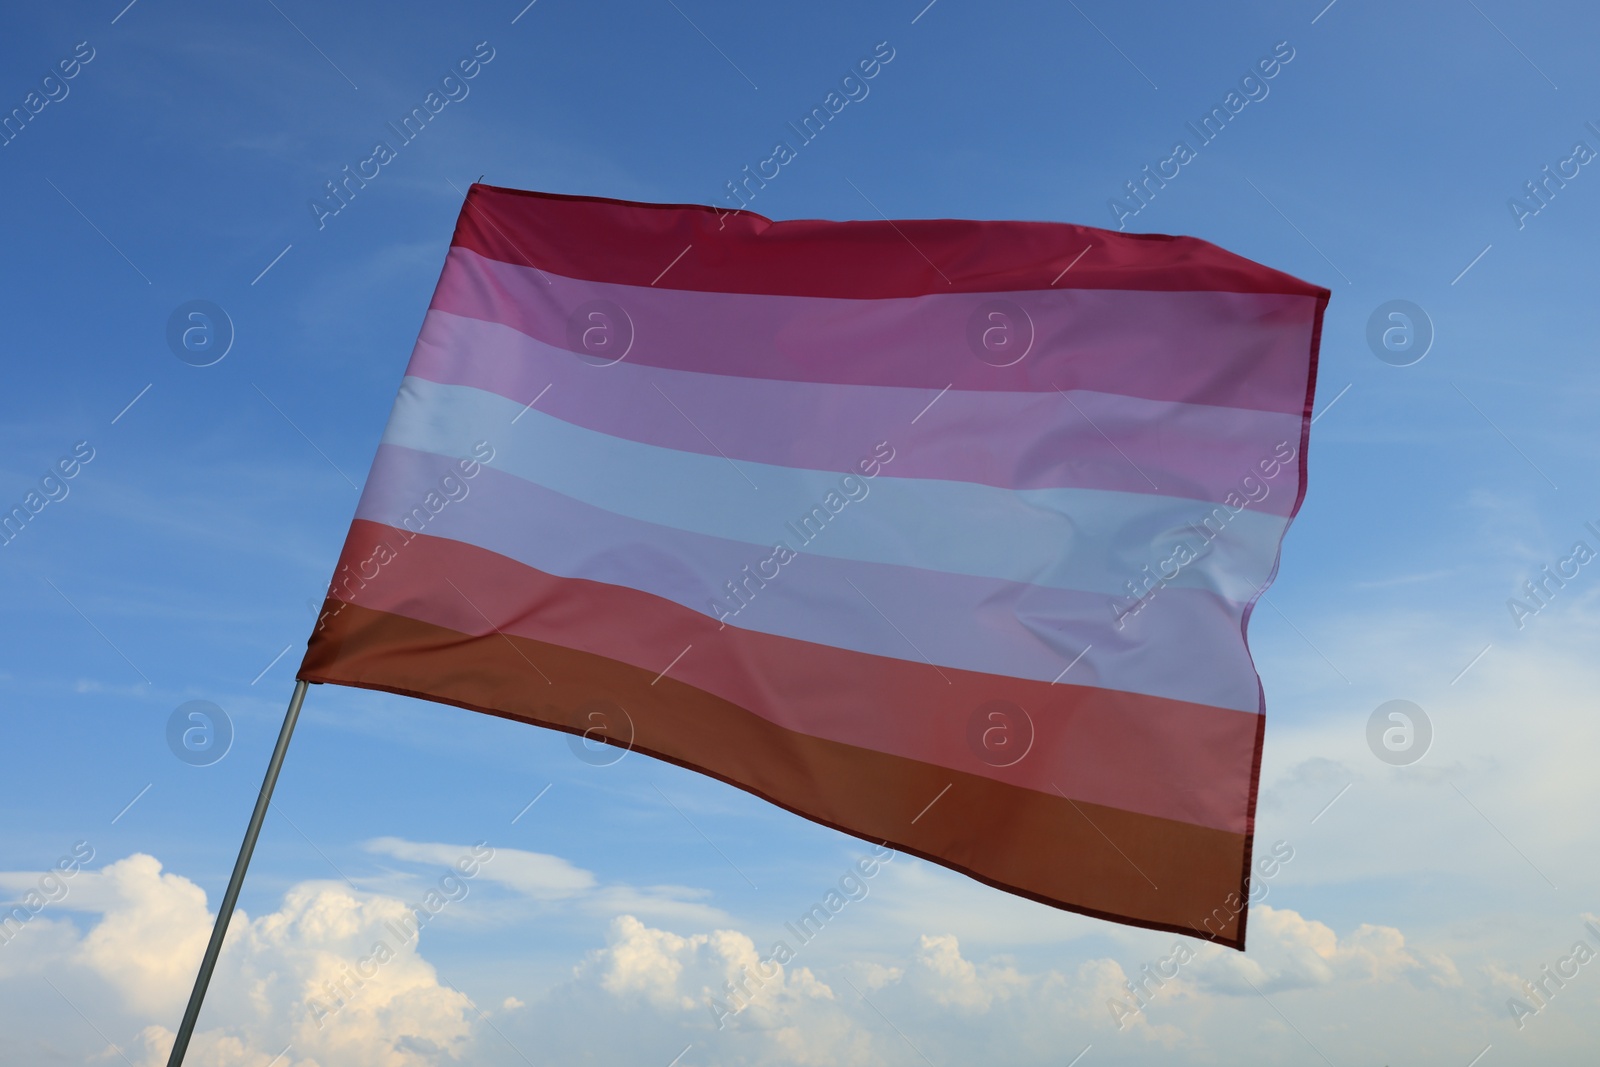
685 246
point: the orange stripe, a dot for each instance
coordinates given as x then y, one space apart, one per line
1088 858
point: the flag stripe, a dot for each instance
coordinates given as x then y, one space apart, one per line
1086 539
1076 855
1184 644
1030 440
1237 350
1144 754
740 251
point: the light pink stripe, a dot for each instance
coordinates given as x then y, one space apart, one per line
1242 350
1028 440
1184 644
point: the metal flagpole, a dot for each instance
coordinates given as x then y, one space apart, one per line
231 897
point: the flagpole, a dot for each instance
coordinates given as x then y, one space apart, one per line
225 911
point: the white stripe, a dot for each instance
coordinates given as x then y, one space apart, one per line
1085 539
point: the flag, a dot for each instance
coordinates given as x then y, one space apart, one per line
945 534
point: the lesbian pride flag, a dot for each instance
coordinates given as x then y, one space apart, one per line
944 534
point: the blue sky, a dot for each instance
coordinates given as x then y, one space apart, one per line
178 164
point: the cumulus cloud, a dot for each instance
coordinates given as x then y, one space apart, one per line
1289 951
960 983
153 930
331 977
648 962
718 982
690 973
876 975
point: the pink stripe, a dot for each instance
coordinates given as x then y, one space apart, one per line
1242 350
1184 644
1030 440
1193 761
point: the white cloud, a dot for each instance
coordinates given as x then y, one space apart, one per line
333 975
642 960
1289 951
721 994
551 880
533 874
1513 745
961 984
876 975
689 973
149 941
719 982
